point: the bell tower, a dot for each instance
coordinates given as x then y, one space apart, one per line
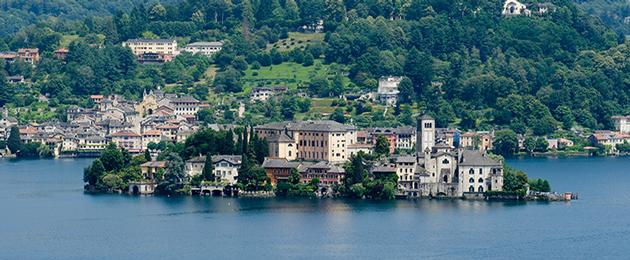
425 133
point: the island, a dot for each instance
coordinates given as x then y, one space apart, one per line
314 159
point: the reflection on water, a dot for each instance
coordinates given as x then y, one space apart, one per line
46 215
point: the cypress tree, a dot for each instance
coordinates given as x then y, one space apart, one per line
208 167
14 143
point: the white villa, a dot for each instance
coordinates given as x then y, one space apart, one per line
388 90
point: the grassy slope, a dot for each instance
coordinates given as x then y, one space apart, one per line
289 74
296 40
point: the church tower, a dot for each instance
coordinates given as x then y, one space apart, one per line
425 134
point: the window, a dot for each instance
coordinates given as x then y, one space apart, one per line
480 180
480 189
445 161
471 171
471 180
471 189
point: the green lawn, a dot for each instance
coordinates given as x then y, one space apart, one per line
296 40
288 74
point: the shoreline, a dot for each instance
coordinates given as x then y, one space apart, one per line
487 197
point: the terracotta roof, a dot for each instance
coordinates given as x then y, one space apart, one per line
152 132
154 164
126 133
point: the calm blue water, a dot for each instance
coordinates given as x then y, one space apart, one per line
45 215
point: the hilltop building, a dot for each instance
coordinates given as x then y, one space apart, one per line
513 8
622 123
29 55
153 50
204 48
388 90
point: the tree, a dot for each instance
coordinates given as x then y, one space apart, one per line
529 144
308 60
208 167
468 121
505 143
14 143
93 173
113 182
356 170
406 95
514 181
147 155
381 147
419 68
541 145
338 116
174 175
112 158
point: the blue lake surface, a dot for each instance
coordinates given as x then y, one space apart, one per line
44 214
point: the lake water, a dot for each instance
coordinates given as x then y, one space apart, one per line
45 215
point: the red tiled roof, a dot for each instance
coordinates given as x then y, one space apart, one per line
126 133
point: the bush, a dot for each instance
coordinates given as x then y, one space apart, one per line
113 181
357 190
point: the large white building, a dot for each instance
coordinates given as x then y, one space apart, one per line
388 89
159 46
204 48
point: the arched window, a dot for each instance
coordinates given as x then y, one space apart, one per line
480 189
480 180
445 178
471 180
471 189
471 171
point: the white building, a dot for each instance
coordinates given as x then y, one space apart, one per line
225 167
513 8
388 89
204 48
158 46
622 123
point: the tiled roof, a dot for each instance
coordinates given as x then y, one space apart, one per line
126 133
154 164
150 40
278 163
477 158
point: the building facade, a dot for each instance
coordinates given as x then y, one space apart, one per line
204 48
388 89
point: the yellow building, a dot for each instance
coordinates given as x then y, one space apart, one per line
321 140
158 46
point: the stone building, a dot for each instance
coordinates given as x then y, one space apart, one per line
440 169
321 140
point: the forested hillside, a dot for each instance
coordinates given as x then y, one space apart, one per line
465 63
612 12
15 14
